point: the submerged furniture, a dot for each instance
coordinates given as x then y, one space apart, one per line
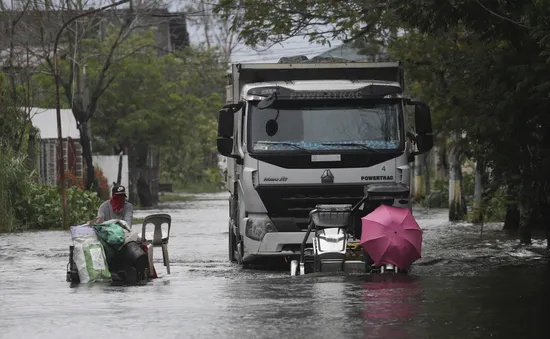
159 237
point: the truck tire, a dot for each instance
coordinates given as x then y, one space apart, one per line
232 238
232 246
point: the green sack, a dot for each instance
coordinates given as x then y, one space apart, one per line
96 264
89 258
111 236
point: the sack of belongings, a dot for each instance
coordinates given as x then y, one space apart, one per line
89 255
112 234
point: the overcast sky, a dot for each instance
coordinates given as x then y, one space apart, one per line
294 46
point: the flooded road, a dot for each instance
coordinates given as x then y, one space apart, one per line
464 287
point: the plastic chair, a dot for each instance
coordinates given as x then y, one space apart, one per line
159 237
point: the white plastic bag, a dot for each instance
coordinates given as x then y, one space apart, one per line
89 257
82 231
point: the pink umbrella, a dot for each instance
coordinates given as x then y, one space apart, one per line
390 235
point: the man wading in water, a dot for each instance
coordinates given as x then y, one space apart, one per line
117 207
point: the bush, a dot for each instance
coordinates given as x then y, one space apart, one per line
439 195
102 182
72 180
42 207
14 179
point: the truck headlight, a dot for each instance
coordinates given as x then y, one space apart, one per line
257 228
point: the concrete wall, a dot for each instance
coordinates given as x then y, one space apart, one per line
109 165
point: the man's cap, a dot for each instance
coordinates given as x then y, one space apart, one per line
119 190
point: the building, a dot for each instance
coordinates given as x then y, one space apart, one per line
39 28
45 120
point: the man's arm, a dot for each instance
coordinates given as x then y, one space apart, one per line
101 210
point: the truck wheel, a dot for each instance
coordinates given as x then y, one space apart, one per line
232 244
239 253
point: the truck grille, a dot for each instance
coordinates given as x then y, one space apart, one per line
296 202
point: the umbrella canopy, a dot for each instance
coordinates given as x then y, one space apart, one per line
390 235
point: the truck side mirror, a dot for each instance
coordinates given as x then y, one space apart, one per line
225 147
423 125
225 123
424 142
422 118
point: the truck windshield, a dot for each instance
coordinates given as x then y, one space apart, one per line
316 125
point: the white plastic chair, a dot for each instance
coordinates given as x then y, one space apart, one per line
158 237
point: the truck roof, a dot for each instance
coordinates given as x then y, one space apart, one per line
318 85
384 71
296 74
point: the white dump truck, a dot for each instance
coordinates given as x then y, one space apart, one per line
302 134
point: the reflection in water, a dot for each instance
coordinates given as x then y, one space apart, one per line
392 302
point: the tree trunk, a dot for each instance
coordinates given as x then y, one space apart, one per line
511 221
524 224
412 186
456 208
139 176
31 151
427 177
419 162
440 159
91 182
543 220
478 192
526 216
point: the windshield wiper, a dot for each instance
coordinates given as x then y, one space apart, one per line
356 144
284 143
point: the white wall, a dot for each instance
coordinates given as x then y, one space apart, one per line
109 165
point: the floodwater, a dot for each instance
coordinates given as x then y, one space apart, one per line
466 286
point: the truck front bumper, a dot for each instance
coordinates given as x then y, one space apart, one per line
275 244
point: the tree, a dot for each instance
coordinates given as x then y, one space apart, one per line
266 23
199 94
99 39
217 30
15 80
169 101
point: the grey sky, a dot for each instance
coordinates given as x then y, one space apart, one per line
294 46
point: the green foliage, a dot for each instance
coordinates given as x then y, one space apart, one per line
25 204
438 197
14 179
169 101
267 22
153 99
42 207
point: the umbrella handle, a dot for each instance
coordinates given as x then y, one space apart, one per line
354 208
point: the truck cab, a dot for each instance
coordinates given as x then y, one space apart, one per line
304 134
